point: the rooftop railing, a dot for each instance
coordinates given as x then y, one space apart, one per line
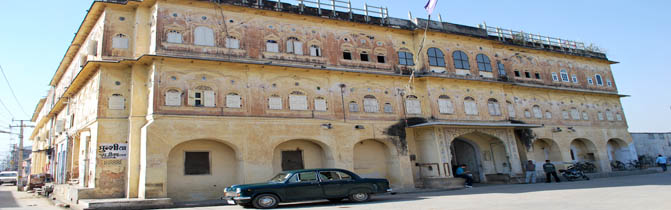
520 37
332 7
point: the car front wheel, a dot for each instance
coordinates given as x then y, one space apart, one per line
266 201
359 197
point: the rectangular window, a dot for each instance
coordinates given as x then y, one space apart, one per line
233 101
275 102
320 104
272 46
517 73
537 75
574 78
315 51
298 102
609 83
347 55
364 57
196 163
232 43
405 58
381 59
527 74
388 108
353 107
502 69
209 99
590 81
554 76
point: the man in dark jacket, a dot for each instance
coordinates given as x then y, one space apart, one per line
550 169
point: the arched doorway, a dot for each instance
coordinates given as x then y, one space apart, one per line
618 151
200 170
486 156
372 159
584 150
300 154
544 149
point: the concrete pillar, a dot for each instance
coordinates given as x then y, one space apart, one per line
137 119
443 152
142 33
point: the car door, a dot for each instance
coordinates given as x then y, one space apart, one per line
303 186
335 184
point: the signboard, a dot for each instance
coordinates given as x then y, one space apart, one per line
113 151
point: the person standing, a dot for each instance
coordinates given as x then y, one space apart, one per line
463 173
530 172
550 170
661 162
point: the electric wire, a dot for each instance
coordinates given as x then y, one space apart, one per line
9 112
12 91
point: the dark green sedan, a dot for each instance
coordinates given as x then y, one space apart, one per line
304 185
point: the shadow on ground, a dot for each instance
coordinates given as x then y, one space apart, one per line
7 200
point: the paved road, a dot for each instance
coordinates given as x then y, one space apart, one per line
11 199
649 192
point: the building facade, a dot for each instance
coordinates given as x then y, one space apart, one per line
652 144
179 99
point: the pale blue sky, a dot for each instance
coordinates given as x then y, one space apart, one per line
35 35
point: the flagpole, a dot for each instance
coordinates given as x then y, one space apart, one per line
418 54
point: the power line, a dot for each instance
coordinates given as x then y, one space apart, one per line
12 90
3 105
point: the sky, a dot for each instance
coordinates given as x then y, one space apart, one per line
35 35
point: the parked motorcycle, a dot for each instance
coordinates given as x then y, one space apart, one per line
572 174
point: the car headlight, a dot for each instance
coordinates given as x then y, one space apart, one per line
238 190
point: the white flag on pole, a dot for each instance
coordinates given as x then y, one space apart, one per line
430 6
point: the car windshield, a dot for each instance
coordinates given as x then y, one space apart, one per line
281 177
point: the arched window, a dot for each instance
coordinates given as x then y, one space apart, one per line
203 36
233 100
564 75
460 60
120 41
298 101
405 58
483 63
315 51
609 115
320 104
436 57
388 108
412 105
272 46
470 107
353 106
511 109
381 58
494 108
370 104
174 36
527 113
585 116
575 114
202 96
599 80
363 56
537 111
232 42
275 102
548 114
445 105
173 97
294 46
564 114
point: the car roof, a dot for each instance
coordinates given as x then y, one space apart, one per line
314 169
8 172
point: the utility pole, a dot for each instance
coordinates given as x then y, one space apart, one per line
20 163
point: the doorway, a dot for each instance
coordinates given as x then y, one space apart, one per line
464 153
292 160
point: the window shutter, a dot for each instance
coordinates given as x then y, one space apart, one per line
272 47
275 103
290 46
192 98
511 110
370 105
444 106
173 98
413 107
298 102
313 51
298 48
233 101
209 99
320 104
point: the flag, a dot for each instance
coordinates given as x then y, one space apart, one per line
430 6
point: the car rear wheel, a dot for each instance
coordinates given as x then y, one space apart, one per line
359 197
265 201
